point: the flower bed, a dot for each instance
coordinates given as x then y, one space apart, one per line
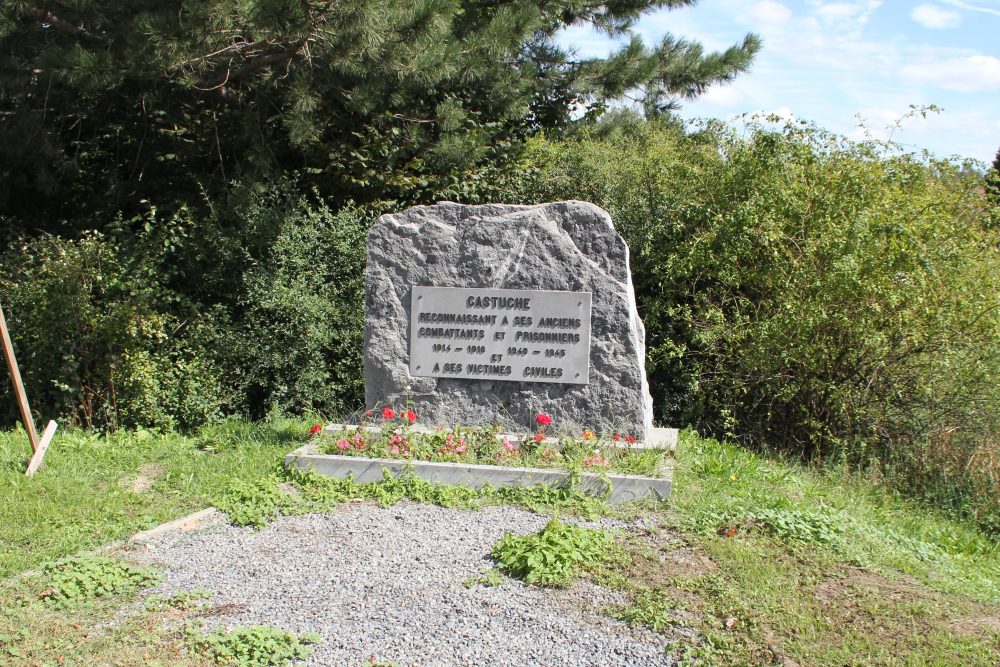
394 435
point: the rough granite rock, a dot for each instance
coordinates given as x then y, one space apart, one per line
569 246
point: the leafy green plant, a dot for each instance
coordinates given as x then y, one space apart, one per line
651 608
258 646
258 502
833 299
80 578
182 601
798 525
254 503
790 524
489 579
554 555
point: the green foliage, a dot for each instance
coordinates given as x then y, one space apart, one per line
93 344
169 323
365 100
298 319
488 580
254 502
182 601
554 555
258 501
81 578
837 300
259 646
650 608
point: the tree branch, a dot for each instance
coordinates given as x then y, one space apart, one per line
47 17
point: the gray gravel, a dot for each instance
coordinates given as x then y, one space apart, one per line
388 584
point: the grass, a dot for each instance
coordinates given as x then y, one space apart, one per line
95 490
769 562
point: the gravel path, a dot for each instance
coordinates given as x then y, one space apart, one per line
388 583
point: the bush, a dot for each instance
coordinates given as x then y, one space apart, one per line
298 338
835 299
95 345
171 323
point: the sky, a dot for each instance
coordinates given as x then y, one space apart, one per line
852 66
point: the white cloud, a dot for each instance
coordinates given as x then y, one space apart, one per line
975 8
932 16
968 74
723 96
770 12
851 15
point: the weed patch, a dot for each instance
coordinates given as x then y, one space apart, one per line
259 646
79 578
554 555
488 579
183 601
651 608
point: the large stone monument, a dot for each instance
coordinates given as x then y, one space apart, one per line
478 314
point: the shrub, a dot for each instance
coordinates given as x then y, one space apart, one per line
95 343
298 315
833 298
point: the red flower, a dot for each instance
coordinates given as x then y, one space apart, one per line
544 420
539 437
315 429
616 437
387 413
411 416
630 439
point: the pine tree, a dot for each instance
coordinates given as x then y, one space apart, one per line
107 105
993 180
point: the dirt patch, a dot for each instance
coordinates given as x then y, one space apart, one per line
659 556
848 598
974 625
852 580
148 474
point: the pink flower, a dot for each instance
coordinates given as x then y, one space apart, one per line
510 446
314 430
387 413
539 437
595 460
543 419
343 444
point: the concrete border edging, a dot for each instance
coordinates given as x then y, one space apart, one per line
183 525
624 488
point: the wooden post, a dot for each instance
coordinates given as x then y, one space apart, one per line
15 377
43 446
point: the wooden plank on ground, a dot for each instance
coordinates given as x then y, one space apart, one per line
43 446
15 377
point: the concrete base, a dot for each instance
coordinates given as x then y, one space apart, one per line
624 488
